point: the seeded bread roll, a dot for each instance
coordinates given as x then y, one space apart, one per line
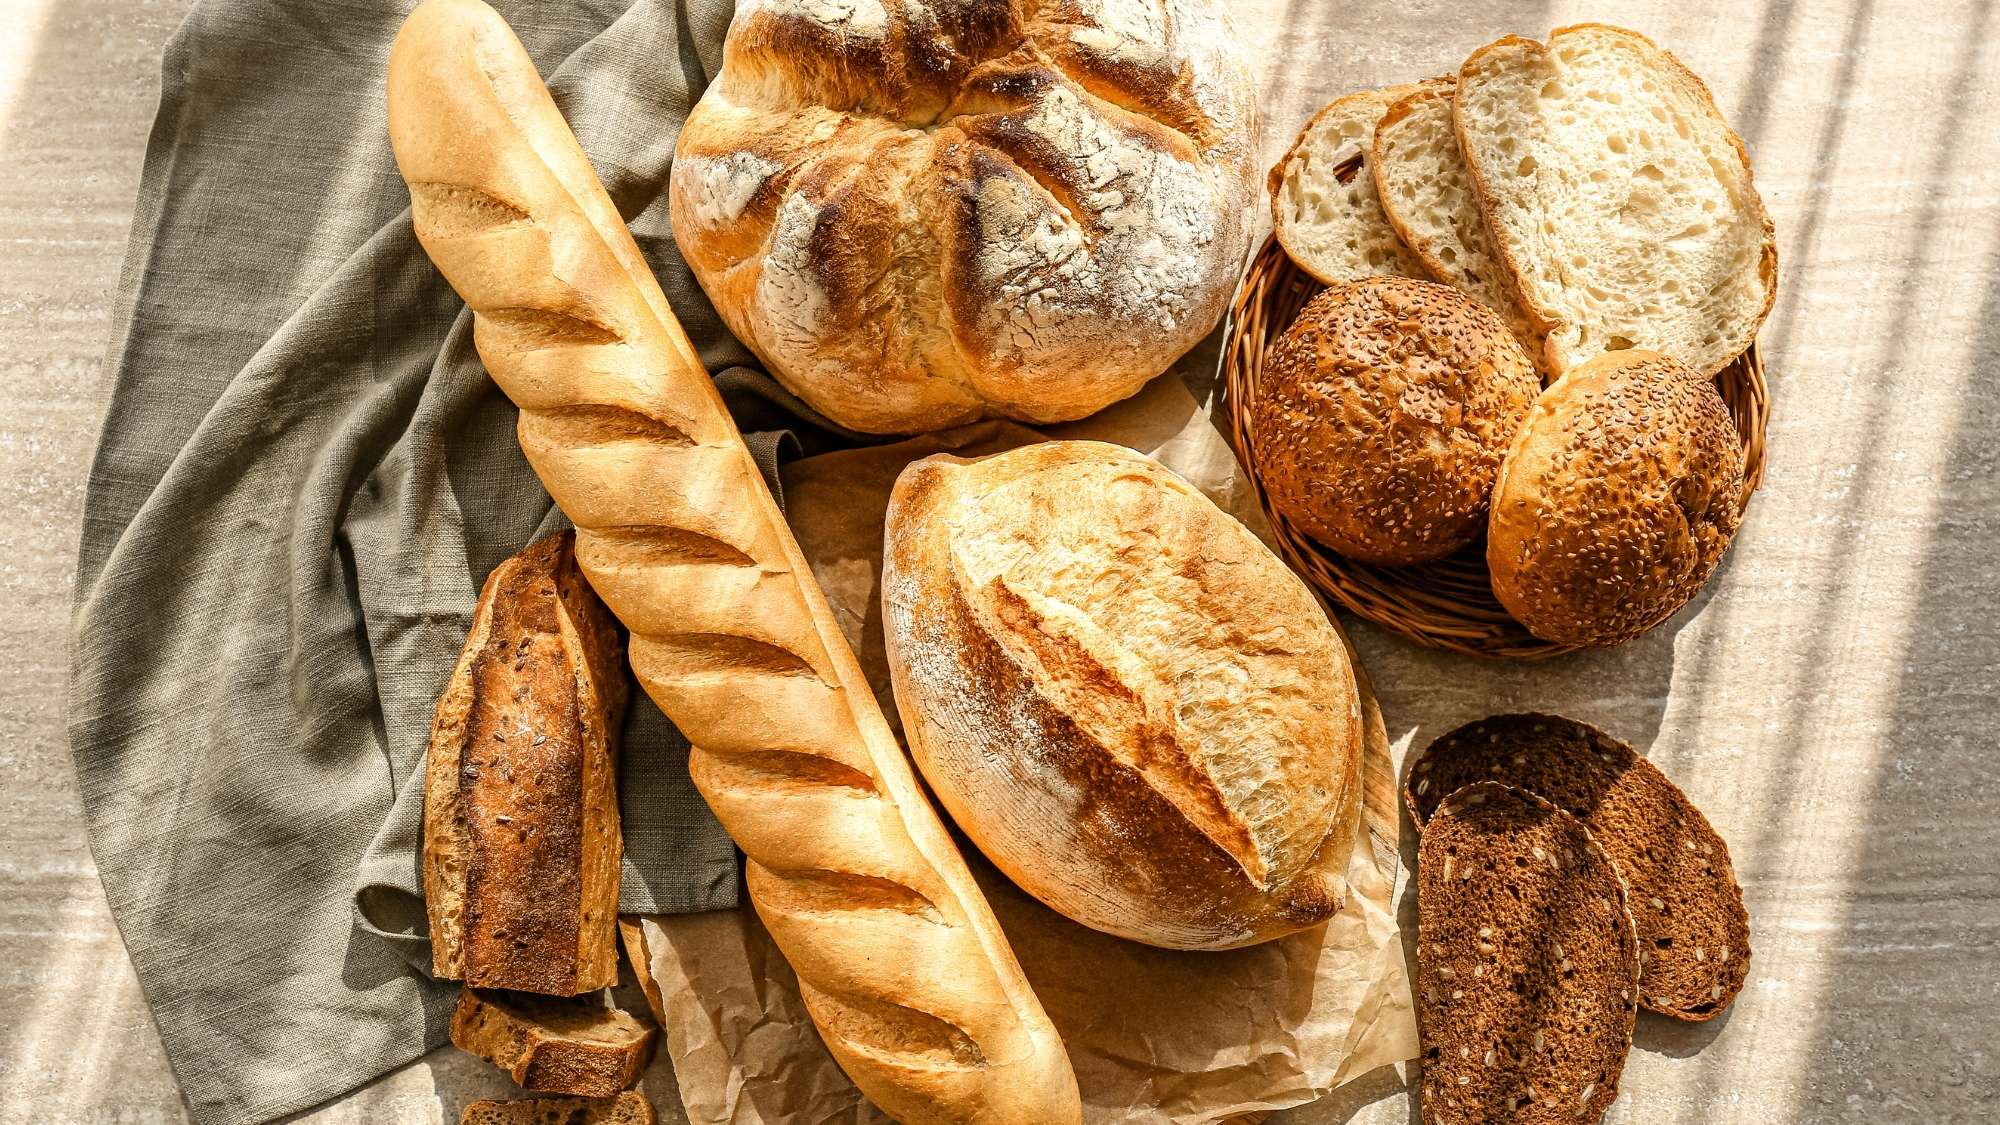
1324 211
1526 964
628 1108
1694 933
1131 706
1616 500
919 213
1382 415
573 1045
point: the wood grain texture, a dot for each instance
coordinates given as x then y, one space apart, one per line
1828 703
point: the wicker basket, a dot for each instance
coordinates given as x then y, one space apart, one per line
1445 604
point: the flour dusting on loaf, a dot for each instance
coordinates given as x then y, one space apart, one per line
1025 211
1122 696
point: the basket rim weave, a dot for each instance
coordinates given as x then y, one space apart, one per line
1448 604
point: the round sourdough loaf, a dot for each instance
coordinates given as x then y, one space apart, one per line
1382 416
1125 700
920 213
1616 500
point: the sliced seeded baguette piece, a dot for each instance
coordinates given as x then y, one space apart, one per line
1427 195
1694 932
1526 964
569 1045
1326 215
1620 200
628 1108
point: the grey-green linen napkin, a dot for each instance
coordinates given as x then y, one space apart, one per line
303 478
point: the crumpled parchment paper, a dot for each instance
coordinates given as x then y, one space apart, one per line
1155 1035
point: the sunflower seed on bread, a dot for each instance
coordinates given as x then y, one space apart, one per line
1426 194
1686 903
628 1108
1324 209
1527 963
1620 200
567 1045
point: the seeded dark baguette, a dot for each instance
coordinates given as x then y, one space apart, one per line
1694 932
900 961
568 1045
1527 964
521 838
628 1108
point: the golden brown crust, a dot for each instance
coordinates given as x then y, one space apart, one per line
730 634
1382 416
1616 501
556 1046
918 214
628 1108
521 836
1122 697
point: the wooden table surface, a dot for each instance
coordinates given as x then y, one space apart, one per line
1831 702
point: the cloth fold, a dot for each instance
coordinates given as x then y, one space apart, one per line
304 476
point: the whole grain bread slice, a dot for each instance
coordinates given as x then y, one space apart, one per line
1620 200
628 1108
568 1045
1694 931
1527 963
1324 209
1427 195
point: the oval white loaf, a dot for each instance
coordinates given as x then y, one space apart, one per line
918 214
1125 700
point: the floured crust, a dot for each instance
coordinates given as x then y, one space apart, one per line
920 214
1131 706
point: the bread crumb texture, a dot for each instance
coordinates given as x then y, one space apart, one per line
1616 501
1694 932
921 213
1527 965
1324 207
1382 416
1619 198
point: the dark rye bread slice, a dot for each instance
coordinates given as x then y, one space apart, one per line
1694 932
554 1045
1526 963
628 1108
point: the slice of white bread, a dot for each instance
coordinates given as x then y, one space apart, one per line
1332 227
1426 192
1620 200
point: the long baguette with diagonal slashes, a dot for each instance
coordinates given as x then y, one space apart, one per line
898 956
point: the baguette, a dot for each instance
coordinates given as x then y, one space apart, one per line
556 1046
899 959
521 842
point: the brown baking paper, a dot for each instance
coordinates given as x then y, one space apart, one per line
1155 1035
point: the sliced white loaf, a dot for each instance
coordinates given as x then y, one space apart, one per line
1619 199
1333 227
1427 195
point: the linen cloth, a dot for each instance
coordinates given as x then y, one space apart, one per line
303 478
